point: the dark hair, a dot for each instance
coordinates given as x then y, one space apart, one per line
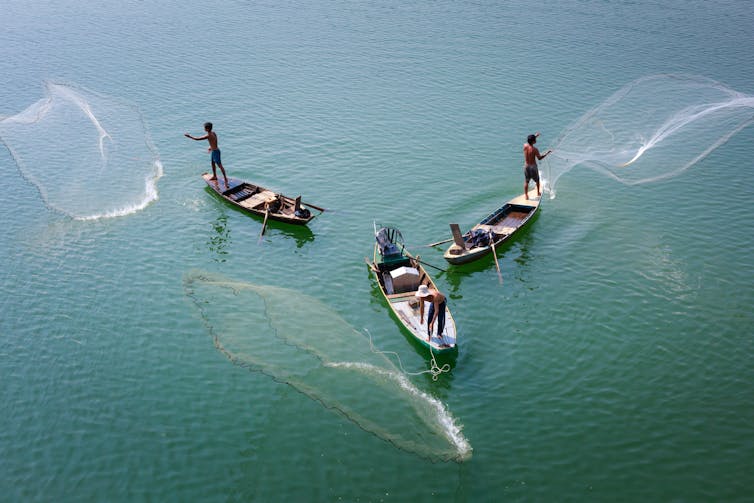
531 138
208 126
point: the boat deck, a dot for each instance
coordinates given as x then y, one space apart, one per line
507 225
258 199
409 315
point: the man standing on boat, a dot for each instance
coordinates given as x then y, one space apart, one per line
531 171
213 150
436 309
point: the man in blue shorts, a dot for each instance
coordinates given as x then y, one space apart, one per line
214 151
437 305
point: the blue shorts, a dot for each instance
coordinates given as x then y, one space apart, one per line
215 156
440 318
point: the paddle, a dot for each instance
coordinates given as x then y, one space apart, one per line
264 224
430 245
315 207
430 265
494 253
403 247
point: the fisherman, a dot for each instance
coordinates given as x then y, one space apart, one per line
214 151
531 171
436 309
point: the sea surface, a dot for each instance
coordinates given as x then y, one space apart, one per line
153 347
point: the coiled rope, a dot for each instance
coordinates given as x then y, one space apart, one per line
435 370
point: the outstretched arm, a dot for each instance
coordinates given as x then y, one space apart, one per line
195 138
540 157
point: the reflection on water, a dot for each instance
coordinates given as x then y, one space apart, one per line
220 239
301 234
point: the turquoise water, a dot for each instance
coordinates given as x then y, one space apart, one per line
614 363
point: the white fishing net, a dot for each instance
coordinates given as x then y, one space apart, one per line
299 341
653 128
88 154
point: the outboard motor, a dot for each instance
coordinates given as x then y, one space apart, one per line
385 242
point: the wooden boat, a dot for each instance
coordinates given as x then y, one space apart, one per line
494 229
399 275
259 200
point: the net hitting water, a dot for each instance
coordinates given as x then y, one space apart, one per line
88 154
299 341
653 128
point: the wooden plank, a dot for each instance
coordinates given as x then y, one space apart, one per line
455 230
398 296
532 201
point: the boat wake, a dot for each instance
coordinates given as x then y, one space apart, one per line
653 128
88 154
299 341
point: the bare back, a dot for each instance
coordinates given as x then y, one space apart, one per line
531 154
438 298
212 139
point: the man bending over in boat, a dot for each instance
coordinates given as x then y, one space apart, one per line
213 150
436 309
531 171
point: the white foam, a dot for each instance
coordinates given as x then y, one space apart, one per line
449 427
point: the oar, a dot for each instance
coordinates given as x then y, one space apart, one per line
315 207
430 245
403 247
430 265
264 224
494 253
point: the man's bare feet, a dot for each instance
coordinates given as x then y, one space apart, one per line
213 179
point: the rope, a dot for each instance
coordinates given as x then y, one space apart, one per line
434 370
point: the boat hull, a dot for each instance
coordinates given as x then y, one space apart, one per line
501 224
252 199
405 307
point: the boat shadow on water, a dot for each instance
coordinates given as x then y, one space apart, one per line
301 234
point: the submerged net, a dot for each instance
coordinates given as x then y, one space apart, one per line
653 128
297 340
88 154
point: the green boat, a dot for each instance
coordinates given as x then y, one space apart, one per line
399 275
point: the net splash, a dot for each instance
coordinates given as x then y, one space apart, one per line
653 128
88 154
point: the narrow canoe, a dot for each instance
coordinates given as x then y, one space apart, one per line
495 228
399 275
257 200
